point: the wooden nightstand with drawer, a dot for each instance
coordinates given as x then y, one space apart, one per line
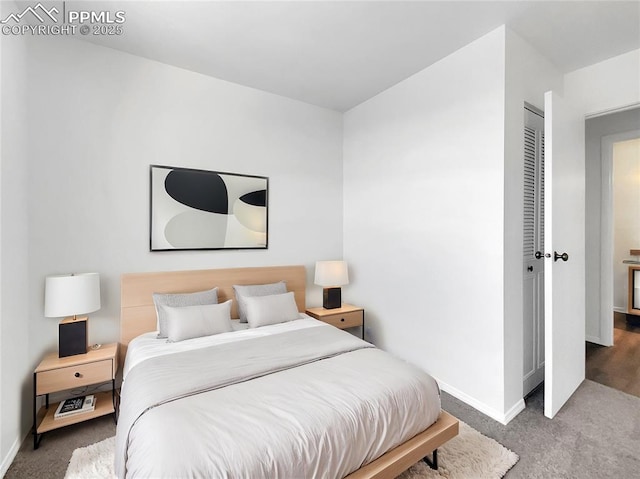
348 316
56 374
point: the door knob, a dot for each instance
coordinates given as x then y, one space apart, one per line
530 268
538 254
563 256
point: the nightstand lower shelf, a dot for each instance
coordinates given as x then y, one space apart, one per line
104 406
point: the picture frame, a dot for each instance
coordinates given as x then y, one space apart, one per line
193 209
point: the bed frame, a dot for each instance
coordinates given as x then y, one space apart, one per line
138 316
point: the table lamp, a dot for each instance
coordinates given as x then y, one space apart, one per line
68 296
331 275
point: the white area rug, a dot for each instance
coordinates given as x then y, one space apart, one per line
470 455
93 462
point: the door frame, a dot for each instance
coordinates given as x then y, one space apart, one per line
606 233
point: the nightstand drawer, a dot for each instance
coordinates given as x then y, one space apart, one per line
348 316
344 320
74 376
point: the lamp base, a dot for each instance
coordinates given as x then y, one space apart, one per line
72 337
331 298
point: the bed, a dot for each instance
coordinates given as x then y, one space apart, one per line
293 399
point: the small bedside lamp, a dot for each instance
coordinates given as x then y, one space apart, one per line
71 295
331 275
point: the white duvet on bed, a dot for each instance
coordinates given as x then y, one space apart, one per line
303 403
148 345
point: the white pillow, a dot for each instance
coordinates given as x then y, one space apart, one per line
188 322
248 290
272 309
179 300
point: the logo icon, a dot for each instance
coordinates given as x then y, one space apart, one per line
34 11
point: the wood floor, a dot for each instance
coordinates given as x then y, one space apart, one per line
617 366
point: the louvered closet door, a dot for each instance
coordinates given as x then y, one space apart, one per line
533 268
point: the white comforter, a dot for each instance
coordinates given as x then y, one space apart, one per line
147 346
310 402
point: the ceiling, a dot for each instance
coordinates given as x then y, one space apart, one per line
337 54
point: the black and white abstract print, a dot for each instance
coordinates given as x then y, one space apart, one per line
199 209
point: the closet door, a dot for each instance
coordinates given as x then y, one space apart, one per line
533 262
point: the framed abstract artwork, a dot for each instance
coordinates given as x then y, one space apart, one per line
204 210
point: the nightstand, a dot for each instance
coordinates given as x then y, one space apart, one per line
56 374
348 316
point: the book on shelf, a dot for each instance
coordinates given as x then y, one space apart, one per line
78 405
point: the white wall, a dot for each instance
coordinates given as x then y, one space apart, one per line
433 209
626 214
528 76
15 366
100 117
423 219
605 86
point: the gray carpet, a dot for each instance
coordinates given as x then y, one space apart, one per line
50 460
596 435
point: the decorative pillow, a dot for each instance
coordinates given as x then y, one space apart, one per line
250 290
188 322
273 309
177 300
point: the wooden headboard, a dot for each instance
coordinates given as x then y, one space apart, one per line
138 314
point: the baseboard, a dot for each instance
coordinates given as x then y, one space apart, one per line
516 409
8 459
502 418
618 309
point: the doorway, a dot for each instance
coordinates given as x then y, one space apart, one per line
600 134
609 236
620 215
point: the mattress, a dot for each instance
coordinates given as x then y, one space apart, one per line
293 400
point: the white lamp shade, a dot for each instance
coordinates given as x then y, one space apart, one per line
331 273
71 294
